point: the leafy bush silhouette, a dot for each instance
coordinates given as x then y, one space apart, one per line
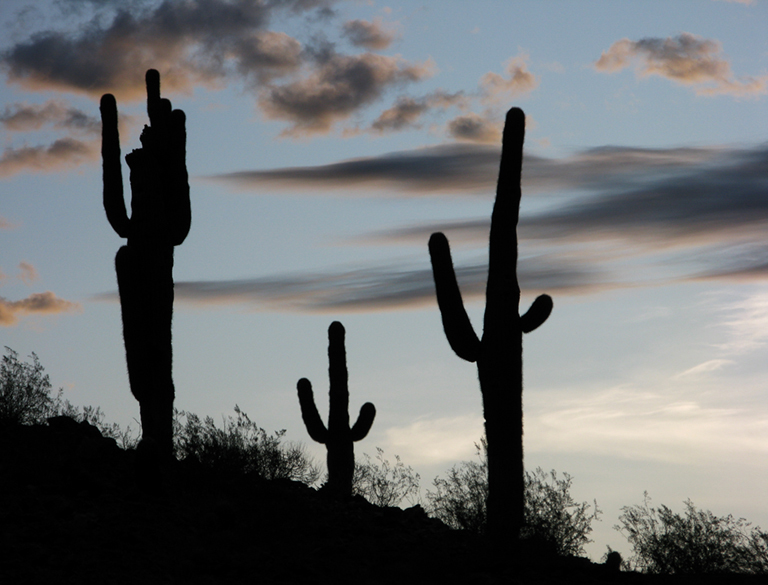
240 447
25 391
551 516
383 483
697 542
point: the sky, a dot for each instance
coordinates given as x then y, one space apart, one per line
326 140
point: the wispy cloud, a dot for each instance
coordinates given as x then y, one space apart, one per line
687 59
631 423
519 81
45 303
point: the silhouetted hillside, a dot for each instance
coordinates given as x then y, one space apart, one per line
71 513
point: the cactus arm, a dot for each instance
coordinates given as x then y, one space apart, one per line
309 414
152 79
364 422
113 197
182 211
537 314
456 324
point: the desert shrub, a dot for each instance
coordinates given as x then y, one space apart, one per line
241 446
25 391
551 515
695 542
383 483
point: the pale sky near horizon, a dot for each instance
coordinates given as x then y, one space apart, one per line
328 139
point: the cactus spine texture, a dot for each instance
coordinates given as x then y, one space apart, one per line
337 437
160 219
498 353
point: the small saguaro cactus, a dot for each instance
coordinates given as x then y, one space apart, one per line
498 353
337 436
160 219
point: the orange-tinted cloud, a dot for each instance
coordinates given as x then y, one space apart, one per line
22 117
519 81
472 127
45 303
687 59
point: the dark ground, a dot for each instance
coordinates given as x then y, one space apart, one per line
70 512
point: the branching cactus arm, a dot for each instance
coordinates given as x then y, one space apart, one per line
310 416
114 200
458 328
364 422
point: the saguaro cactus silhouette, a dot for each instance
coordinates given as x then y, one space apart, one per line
498 353
160 219
337 437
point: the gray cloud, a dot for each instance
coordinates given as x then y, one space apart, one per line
45 303
197 41
472 168
335 89
60 154
408 111
370 35
372 288
686 59
474 128
27 117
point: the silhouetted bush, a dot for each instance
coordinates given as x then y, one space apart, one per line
551 516
241 446
25 391
384 484
697 542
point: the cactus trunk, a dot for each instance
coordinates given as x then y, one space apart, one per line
498 353
160 219
338 437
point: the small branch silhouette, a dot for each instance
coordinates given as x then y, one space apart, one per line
338 437
498 353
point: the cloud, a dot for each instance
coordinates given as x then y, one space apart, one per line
60 154
369 35
687 59
197 41
647 425
28 272
447 168
5 224
28 117
473 168
375 288
474 128
519 82
436 441
45 303
335 89
407 111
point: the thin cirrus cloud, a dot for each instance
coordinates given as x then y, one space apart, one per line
687 59
705 206
377 288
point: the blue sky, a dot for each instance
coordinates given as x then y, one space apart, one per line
327 140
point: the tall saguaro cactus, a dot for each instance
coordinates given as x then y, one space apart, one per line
499 353
160 219
337 437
